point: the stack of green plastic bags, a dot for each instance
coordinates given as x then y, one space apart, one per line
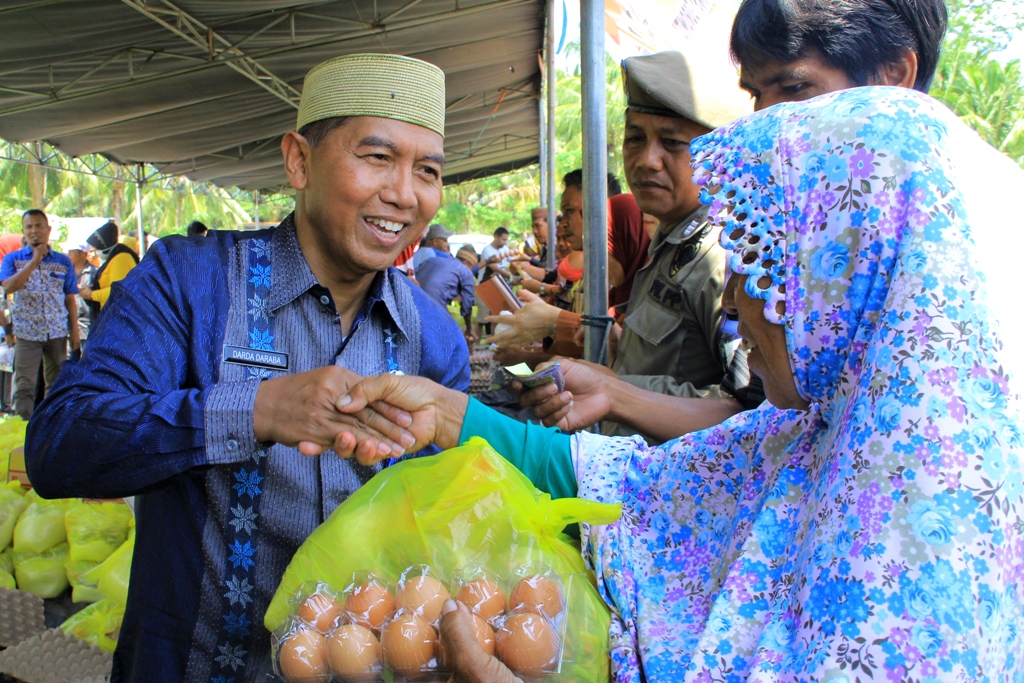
47 545
40 546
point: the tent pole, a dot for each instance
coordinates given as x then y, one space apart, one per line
138 211
542 133
552 146
595 171
256 197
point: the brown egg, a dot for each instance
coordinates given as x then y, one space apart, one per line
483 597
537 594
423 595
484 635
370 604
353 653
321 611
408 643
303 656
528 645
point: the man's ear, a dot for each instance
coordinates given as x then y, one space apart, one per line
901 73
296 152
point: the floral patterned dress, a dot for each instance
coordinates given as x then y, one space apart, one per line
877 535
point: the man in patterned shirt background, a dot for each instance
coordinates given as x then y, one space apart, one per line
45 310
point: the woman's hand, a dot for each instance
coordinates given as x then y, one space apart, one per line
463 654
585 401
437 412
531 323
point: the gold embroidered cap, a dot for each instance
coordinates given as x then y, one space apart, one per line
388 86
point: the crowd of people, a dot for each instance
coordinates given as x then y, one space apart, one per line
806 406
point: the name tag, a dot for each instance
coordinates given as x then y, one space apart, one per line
255 358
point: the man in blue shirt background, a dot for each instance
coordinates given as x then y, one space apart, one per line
209 392
434 242
45 309
445 278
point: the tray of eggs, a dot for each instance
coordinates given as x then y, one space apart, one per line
372 631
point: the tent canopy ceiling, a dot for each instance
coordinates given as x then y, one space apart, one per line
206 88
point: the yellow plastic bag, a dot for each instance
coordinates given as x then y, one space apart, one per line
7 560
466 508
98 624
42 574
12 504
7 580
111 577
41 525
82 590
96 530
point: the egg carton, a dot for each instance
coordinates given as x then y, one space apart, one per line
21 616
53 657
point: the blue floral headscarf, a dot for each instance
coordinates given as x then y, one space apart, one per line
877 535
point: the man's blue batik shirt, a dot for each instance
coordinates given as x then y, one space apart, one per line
154 410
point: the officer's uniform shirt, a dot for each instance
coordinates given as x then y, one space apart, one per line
671 338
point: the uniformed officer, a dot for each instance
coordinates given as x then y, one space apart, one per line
673 341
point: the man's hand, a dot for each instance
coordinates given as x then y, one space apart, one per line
76 339
85 291
463 654
437 412
302 410
39 251
584 402
531 323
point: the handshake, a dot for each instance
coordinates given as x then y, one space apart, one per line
369 418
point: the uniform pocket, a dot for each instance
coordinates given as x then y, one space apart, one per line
652 322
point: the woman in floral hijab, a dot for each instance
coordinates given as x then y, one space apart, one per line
874 531
876 534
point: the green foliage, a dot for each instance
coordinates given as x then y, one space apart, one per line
505 200
63 193
985 93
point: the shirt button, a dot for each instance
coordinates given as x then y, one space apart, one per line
325 300
232 445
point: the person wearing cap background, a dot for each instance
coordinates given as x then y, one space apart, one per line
445 279
84 259
210 383
434 242
536 242
672 341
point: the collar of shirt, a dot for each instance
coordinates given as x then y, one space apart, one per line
25 253
675 235
292 277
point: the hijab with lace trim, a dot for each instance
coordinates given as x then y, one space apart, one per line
878 534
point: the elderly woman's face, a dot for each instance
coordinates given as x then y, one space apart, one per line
768 355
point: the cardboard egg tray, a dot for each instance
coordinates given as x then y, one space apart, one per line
21 616
52 657
37 655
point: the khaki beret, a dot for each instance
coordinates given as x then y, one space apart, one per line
664 84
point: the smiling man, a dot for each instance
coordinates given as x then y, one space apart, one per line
209 392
